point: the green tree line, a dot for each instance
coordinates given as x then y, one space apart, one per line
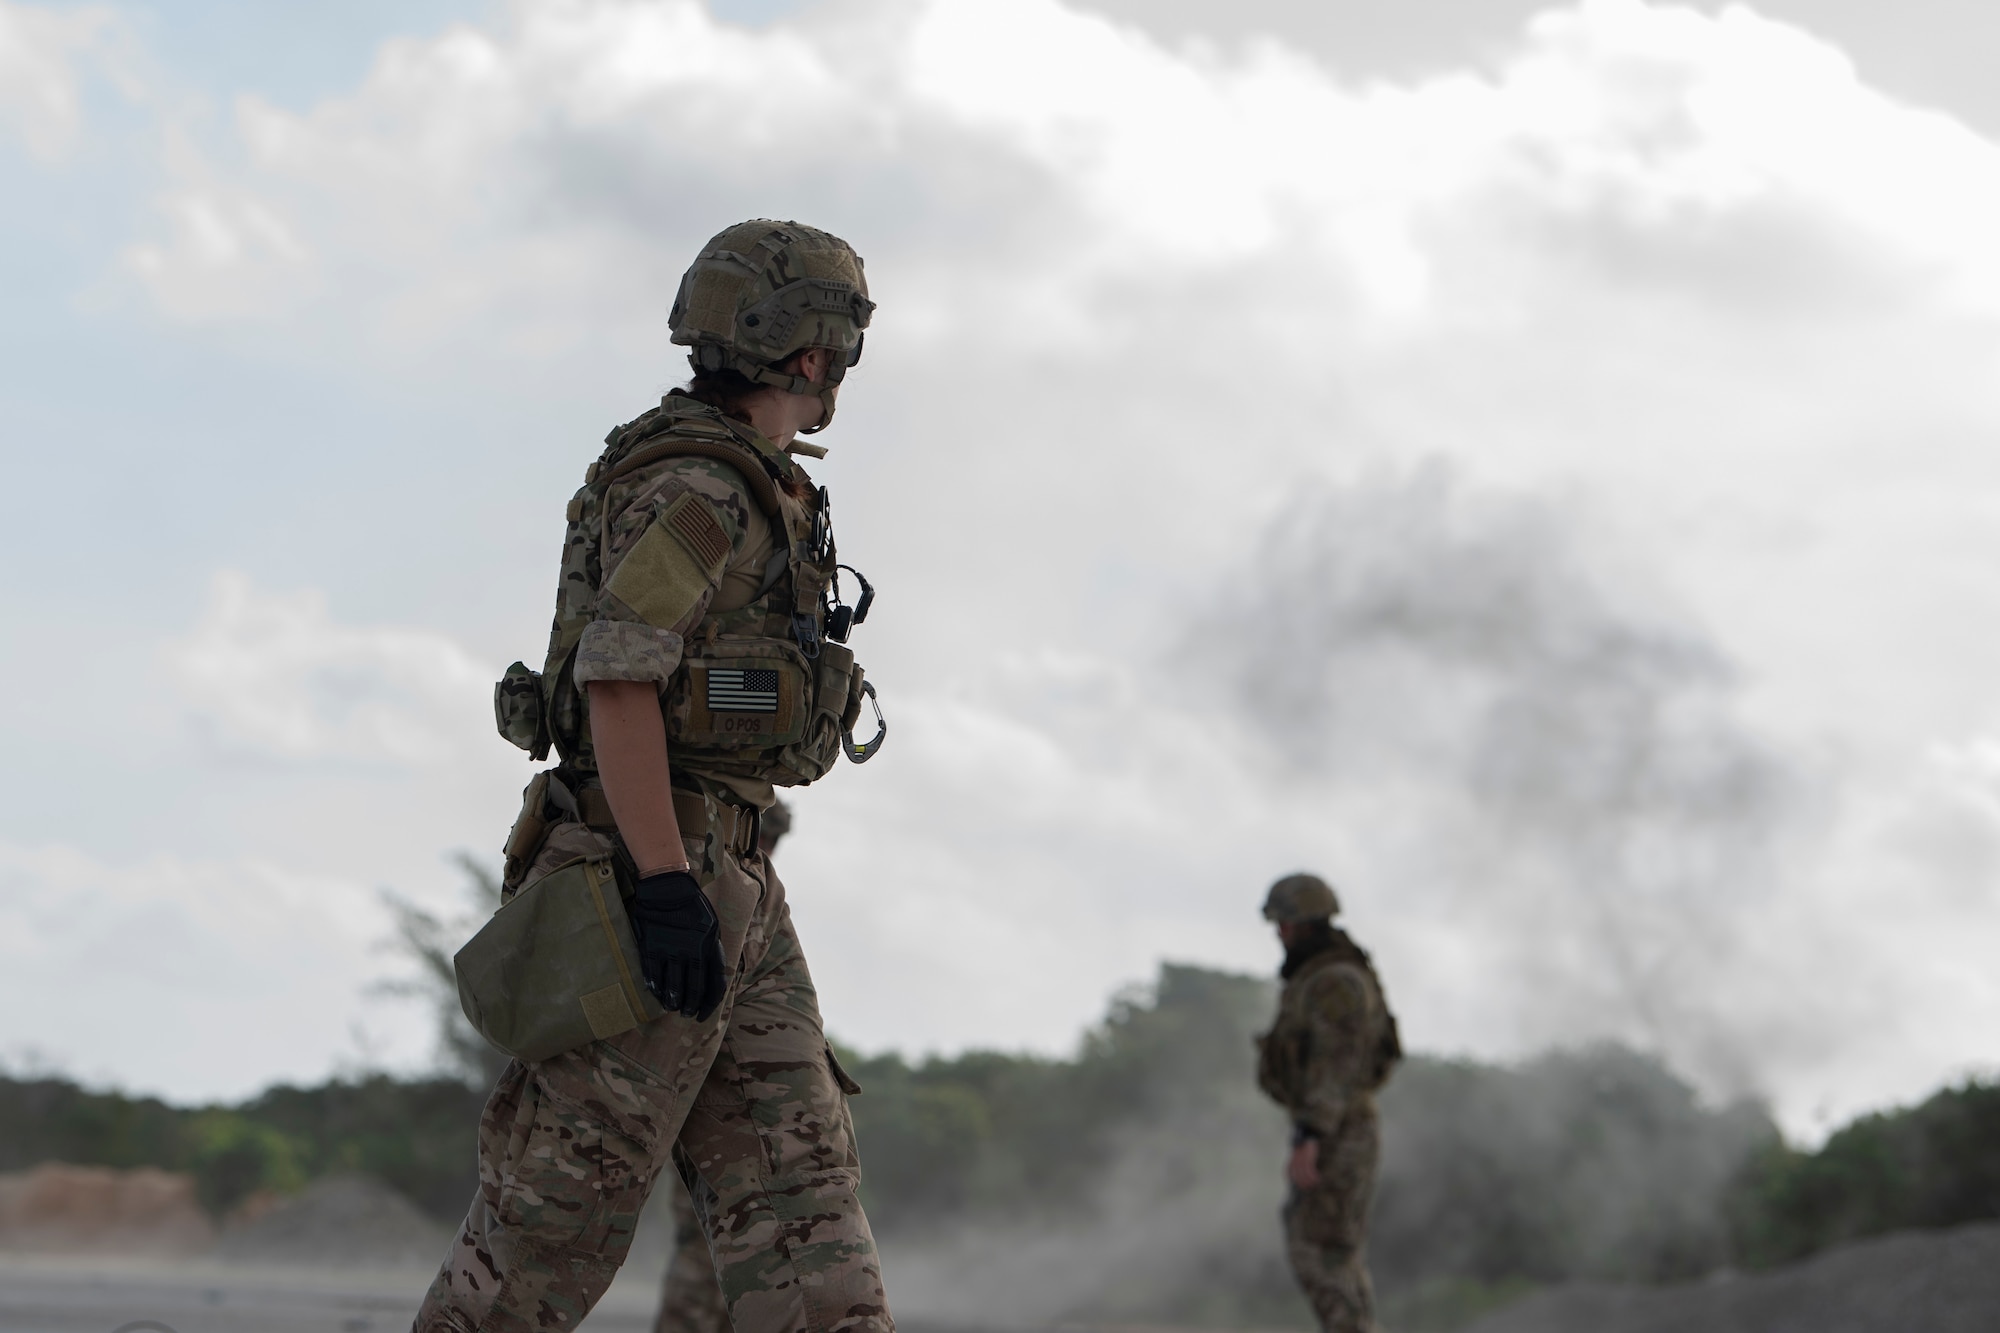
416 1135
1150 1158
1934 1165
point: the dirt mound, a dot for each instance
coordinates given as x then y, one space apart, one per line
340 1220
1911 1282
57 1208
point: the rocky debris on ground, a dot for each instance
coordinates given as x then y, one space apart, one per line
56 1208
1911 1282
338 1220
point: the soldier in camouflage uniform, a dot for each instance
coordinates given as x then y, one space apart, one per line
691 1301
1334 1043
697 663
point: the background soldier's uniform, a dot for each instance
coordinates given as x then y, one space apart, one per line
691 1301
678 547
1332 1046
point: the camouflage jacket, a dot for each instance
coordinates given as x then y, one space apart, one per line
1334 1040
697 558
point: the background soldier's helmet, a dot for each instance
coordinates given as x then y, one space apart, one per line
761 292
774 824
1301 898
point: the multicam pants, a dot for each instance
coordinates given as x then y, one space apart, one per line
570 1147
1326 1229
691 1301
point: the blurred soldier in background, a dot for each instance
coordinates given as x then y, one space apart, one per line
1333 1045
692 1299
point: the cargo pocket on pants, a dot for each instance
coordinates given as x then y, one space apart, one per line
553 1189
574 1186
841 1076
845 1154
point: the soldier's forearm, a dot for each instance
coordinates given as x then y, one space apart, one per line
630 738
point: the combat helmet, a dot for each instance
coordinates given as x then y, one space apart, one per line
762 291
1301 898
774 823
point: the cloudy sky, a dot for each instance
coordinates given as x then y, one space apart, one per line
1532 464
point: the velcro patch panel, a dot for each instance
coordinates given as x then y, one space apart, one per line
673 564
692 521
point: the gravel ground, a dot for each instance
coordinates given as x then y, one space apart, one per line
1912 1282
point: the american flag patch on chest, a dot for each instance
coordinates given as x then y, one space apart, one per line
731 690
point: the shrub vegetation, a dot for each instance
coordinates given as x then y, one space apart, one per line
1150 1160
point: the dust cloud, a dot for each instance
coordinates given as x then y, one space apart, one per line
1170 1210
1551 767
1528 735
1593 1163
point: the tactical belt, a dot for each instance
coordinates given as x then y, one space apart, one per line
735 825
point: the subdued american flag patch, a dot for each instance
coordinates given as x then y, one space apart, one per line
738 691
691 520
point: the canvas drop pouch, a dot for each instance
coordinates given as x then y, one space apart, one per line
557 967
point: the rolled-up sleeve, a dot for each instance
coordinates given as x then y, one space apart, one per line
626 650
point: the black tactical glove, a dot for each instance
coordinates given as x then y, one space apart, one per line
680 946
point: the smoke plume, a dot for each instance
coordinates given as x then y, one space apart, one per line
1536 742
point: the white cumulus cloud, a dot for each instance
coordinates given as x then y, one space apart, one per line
192 978
485 168
277 675
44 56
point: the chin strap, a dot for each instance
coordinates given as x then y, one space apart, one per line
712 357
825 420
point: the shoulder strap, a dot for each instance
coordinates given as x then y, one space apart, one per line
693 431
759 472
763 485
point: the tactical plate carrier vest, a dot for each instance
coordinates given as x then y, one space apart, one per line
783 630
1286 1053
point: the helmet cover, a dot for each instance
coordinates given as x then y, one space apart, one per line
1301 898
774 824
763 291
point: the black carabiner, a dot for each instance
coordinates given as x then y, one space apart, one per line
867 750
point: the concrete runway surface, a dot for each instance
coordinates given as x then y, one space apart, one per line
97 1295
1915 1282
1911 1282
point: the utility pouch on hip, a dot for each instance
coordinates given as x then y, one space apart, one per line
557 967
517 711
525 838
